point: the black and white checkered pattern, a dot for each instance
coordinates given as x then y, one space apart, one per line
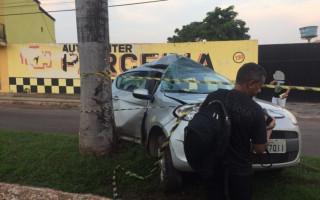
44 85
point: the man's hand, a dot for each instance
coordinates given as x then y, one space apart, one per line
272 124
260 148
273 82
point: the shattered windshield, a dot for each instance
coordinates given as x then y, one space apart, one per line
185 68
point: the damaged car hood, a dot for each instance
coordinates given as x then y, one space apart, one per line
187 98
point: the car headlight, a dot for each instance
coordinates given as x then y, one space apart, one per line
186 111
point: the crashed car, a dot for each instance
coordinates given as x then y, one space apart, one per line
150 108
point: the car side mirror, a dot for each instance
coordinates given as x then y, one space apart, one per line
141 94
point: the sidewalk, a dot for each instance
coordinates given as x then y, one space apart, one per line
17 192
59 100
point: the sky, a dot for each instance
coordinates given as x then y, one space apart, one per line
269 21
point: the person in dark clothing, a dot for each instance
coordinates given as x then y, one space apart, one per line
248 133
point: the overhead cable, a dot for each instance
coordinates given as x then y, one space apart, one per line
67 10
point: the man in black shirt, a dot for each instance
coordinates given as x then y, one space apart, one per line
248 133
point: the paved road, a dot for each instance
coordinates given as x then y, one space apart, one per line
39 119
310 129
66 121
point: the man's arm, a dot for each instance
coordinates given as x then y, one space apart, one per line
273 82
260 148
286 94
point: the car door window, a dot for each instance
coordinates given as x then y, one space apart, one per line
129 84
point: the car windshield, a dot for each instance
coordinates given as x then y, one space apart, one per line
187 69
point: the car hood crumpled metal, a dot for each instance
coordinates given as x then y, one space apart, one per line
199 98
187 98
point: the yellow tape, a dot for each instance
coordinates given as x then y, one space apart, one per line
107 73
123 109
128 173
176 124
316 89
160 154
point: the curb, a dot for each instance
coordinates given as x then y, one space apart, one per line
54 102
18 192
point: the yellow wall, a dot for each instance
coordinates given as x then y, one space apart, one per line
43 60
44 68
4 85
2 21
4 81
28 28
226 57
56 66
1 13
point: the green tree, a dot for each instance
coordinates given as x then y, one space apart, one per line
219 25
193 32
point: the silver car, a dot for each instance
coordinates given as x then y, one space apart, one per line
152 107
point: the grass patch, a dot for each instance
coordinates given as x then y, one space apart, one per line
53 161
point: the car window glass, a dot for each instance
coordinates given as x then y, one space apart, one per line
188 69
130 84
118 81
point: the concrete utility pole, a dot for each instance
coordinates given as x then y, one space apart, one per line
96 130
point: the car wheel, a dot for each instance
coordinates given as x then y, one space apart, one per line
170 178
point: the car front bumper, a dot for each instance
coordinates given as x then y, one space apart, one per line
284 130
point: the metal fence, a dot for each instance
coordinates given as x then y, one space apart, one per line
299 62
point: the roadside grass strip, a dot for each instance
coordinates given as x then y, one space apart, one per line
53 161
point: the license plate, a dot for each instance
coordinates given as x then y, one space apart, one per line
277 146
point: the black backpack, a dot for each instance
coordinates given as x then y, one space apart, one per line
206 138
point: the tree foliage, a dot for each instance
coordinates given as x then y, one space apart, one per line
219 25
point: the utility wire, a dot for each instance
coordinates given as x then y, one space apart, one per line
130 4
31 1
29 5
38 12
67 10
26 4
15 2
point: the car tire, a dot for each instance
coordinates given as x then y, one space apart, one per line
170 178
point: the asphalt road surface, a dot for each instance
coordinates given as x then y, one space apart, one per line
66 121
41 119
310 129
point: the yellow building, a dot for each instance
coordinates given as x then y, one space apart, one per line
26 22
55 68
22 22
